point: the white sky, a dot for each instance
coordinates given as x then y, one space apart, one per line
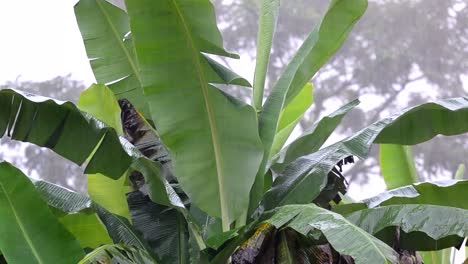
41 40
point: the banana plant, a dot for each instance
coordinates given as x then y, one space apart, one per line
399 169
180 171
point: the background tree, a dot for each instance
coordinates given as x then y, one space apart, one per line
401 53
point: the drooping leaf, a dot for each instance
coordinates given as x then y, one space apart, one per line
343 236
443 193
304 178
446 117
313 138
29 232
73 211
397 165
59 197
266 30
164 228
291 116
118 254
316 50
423 227
118 228
61 127
169 37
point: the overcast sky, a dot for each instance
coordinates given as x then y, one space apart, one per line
40 40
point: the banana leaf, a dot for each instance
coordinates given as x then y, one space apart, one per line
85 226
291 115
118 228
397 165
169 38
61 127
304 178
164 228
443 193
117 254
105 30
316 50
343 236
29 232
73 211
99 101
312 139
266 30
415 226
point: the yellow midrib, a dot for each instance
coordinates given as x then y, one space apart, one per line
22 228
211 119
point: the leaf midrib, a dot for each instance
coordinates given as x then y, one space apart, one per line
211 118
21 226
121 44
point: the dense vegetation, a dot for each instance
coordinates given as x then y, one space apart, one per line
180 171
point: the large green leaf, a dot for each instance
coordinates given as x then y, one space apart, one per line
106 34
212 138
313 54
303 179
117 254
61 127
342 235
445 117
423 227
291 116
444 193
397 165
105 30
313 137
29 232
266 30
165 229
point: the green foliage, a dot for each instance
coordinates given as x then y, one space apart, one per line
345 237
397 165
199 176
69 132
222 131
29 232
